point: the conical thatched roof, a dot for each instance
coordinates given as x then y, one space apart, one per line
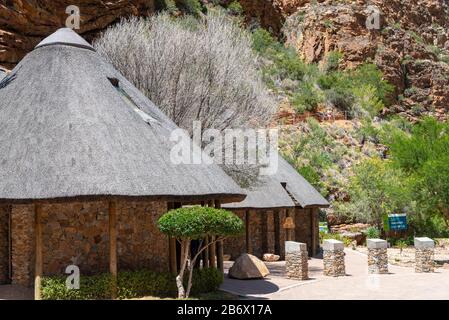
287 188
72 126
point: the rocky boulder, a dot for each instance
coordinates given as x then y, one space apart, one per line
248 266
269 257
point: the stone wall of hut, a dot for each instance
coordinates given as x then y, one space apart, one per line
4 243
304 226
235 245
265 232
78 233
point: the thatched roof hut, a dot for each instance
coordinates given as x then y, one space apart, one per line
73 126
269 202
285 189
86 168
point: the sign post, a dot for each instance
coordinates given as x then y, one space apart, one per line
397 222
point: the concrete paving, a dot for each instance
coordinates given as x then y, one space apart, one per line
15 292
402 283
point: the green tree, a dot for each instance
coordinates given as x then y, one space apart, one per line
196 223
423 154
376 189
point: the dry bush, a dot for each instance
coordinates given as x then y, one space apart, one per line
193 70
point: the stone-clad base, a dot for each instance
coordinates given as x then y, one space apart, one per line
424 260
377 261
334 263
297 265
78 233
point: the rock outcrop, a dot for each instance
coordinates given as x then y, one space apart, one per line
248 266
410 46
23 24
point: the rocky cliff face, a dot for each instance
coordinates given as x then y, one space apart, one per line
24 23
410 47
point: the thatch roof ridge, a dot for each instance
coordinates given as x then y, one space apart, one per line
66 131
287 188
65 36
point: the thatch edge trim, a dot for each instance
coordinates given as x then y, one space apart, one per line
224 198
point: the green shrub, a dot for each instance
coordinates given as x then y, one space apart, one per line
196 222
312 176
333 60
263 40
401 244
328 236
372 233
191 6
306 98
347 241
130 284
235 8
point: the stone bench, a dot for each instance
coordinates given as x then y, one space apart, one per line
296 260
377 256
334 258
424 255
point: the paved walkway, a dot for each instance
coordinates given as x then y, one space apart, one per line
401 283
15 292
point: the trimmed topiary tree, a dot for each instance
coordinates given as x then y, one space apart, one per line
196 223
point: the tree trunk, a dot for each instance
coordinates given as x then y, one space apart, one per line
200 250
185 247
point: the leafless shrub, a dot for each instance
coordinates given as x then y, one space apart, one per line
193 70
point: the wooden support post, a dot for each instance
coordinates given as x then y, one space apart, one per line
173 266
206 253
212 253
292 232
39 258
113 246
249 248
220 260
315 227
172 255
211 249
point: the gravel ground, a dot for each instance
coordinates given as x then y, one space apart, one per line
407 257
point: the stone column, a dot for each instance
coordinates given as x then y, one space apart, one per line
334 258
377 256
22 238
424 250
296 260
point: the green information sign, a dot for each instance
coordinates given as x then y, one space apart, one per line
397 222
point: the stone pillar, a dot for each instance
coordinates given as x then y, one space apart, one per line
377 256
296 260
424 250
334 258
23 244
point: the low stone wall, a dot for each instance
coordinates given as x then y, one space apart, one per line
334 258
377 256
78 233
296 260
424 255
